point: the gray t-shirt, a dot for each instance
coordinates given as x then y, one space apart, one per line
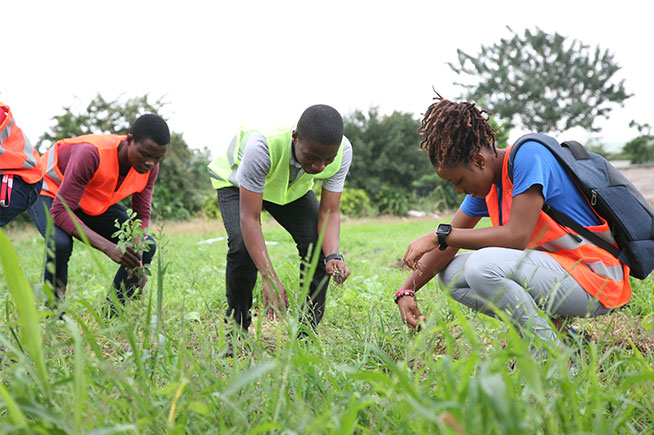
255 165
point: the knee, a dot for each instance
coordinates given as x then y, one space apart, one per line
152 249
482 268
62 243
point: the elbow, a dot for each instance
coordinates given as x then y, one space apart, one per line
519 241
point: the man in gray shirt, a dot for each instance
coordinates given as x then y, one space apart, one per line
275 171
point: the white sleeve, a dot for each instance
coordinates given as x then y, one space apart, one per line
255 163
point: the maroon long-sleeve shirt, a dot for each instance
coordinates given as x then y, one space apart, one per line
78 163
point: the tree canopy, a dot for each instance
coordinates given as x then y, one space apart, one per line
543 82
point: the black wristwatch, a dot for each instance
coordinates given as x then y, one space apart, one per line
442 232
334 257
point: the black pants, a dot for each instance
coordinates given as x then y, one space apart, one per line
300 219
61 246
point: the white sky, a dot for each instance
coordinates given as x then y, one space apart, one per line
260 63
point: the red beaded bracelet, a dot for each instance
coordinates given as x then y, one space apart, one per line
402 293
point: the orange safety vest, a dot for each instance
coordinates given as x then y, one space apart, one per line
599 273
17 155
100 193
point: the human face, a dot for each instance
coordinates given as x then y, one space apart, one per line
144 156
314 157
473 179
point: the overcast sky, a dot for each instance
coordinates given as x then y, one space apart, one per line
260 63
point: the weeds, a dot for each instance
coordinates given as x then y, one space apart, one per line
159 368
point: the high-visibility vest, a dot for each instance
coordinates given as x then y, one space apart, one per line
599 273
277 189
17 155
100 193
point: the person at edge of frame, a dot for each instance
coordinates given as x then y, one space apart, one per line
275 172
21 169
525 263
90 174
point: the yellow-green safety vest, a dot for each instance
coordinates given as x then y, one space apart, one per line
222 170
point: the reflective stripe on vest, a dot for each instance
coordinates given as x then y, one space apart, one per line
598 272
17 155
277 188
100 193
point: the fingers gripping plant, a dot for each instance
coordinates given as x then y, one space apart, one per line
132 236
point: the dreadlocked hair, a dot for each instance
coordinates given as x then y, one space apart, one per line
454 132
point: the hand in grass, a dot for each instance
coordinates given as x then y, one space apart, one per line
338 270
276 298
410 312
129 258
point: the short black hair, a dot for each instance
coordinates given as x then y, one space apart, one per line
150 126
321 124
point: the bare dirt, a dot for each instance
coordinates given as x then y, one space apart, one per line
643 178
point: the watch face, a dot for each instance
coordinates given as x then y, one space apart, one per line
444 228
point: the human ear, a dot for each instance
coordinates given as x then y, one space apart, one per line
479 161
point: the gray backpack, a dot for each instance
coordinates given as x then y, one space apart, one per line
611 195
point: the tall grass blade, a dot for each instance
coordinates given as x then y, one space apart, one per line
23 297
79 375
15 414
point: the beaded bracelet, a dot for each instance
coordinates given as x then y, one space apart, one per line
405 292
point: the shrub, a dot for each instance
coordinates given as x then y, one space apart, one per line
210 206
393 200
356 203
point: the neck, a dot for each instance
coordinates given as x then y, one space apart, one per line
123 159
498 163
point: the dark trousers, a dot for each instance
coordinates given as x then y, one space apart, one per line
300 219
60 246
23 195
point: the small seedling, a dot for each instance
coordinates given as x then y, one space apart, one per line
131 234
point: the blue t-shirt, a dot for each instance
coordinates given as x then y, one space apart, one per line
535 164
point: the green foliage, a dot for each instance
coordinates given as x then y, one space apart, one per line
163 370
542 82
442 194
392 200
386 158
640 149
355 203
386 151
131 234
210 207
182 182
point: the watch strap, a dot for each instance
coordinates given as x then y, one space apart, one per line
334 257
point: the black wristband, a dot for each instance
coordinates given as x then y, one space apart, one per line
442 232
334 257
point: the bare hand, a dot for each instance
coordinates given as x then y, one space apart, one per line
276 298
418 248
338 270
129 259
410 312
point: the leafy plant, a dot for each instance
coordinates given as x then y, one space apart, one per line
355 203
131 234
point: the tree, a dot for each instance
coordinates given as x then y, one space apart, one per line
387 163
386 150
182 183
542 82
641 148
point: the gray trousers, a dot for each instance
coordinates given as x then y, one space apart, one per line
520 284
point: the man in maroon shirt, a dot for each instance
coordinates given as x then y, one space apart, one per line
79 173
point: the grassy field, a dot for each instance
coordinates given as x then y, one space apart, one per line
160 367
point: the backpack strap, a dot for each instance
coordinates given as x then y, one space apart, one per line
578 150
567 221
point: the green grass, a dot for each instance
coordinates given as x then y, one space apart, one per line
160 368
